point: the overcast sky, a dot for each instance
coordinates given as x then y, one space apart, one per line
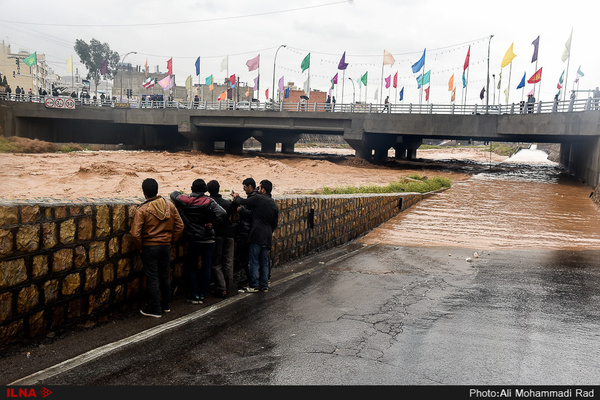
240 30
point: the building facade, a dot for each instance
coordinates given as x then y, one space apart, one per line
36 77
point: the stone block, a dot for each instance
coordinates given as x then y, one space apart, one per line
97 252
62 260
113 246
58 316
9 215
123 268
49 235
39 266
67 231
102 221
28 238
126 244
98 302
108 273
91 279
12 332
12 272
71 284
120 218
80 256
50 289
85 228
6 242
60 212
76 308
30 214
28 299
6 304
37 324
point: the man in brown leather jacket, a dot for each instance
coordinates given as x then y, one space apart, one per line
156 225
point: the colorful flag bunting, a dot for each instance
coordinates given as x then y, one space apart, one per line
253 63
535 78
536 44
305 63
343 64
31 59
508 57
416 67
388 59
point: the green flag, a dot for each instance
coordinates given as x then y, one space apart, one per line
31 60
305 63
208 81
426 77
364 78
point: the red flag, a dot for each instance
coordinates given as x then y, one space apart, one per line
267 93
535 78
396 80
467 59
232 79
170 66
427 94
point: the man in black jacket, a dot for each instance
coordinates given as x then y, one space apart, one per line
243 226
265 216
222 266
199 213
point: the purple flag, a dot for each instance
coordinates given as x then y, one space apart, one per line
104 67
335 79
256 83
281 84
388 80
343 64
536 44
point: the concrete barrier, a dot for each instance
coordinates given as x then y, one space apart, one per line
65 262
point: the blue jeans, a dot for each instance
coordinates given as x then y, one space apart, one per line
258 266
156 261
205 252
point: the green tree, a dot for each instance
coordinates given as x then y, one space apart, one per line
92 55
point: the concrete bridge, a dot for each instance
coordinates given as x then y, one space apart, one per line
369 129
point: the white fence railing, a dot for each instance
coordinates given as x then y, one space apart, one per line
404 108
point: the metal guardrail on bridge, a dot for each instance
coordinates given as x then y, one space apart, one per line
572 105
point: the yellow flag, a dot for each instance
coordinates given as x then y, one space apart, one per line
70 65
453 94
388 59
508 57
188 83
451 83
146 67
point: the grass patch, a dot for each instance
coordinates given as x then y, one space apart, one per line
413 183
14 144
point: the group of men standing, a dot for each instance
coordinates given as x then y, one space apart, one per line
210 225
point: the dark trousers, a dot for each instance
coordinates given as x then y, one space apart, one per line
156 261
205 252
222 266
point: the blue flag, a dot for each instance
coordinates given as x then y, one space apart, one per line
287 93
402 94
464 80
419 64
522 83
419 81
198 66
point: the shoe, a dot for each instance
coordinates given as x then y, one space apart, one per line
264 290
248 289
195 300
149 313
222 294
166 310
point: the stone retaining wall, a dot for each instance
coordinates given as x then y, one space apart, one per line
63 263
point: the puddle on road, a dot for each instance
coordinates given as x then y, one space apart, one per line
517 204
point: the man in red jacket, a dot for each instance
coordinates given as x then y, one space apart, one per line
156 225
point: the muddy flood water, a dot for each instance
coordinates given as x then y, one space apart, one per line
525 202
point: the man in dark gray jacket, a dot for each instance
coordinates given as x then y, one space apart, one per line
265 216
198 212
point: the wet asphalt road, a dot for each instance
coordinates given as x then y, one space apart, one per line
364 315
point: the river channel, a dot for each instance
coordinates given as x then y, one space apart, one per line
525 202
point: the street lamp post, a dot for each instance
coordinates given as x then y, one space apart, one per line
274 60
352 89
487 87
121 72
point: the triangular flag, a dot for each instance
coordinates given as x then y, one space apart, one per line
536 45
482 93
267 93
427 94
363 78
416 67
396 80
522 83
70 65
197 66
31 59
343 64
208 80
535 78
188 83
401 94
567 52
508 57
305 63
388 82
388 59
466 65
335 79
451 83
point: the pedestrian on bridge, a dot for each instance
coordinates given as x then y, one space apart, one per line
156 226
